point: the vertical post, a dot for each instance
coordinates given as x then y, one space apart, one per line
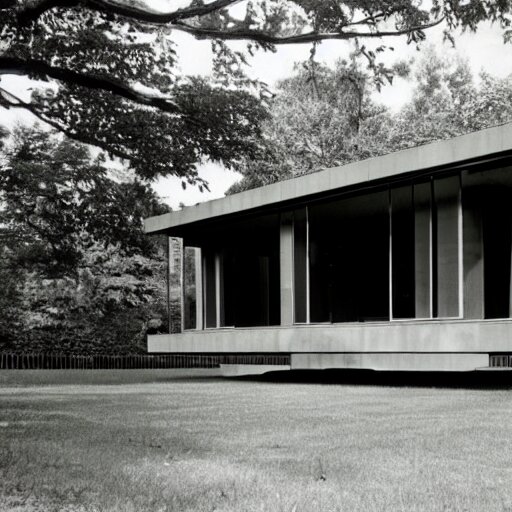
473 254
286 268
175 285
447 203
219 290
168 280
390 249
423 250
460 220
181 254
308 283
510 290
199 288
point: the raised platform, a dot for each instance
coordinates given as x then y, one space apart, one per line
446 345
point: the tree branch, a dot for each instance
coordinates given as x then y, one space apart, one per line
15 66
175 19
308 37
371 18
9 100
141 14
34 9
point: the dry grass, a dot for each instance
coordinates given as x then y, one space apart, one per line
220 445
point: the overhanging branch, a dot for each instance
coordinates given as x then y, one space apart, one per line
134 11
34 9
175 19
16 66
308 37
9 100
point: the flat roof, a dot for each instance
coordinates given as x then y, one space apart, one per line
442 153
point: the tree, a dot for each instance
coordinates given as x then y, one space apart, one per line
329 118
78 272
107 306
447 101
319 118
53 194
107 72
489 105
441 87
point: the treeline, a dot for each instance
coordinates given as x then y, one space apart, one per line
324 117
78 274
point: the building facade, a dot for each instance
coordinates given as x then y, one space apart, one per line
400 262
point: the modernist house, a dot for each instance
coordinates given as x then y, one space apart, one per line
400 262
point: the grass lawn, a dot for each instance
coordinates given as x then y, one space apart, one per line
210 444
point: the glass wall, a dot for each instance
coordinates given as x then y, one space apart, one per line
391 254
403 252
424 249
487 200
192 293
349 259
241 274
446 247
301 265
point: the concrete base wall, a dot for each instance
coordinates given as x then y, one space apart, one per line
390 362
444 345
429 336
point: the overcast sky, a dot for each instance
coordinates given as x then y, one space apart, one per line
485 51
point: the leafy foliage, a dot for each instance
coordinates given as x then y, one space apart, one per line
79 273
320 118
106 307
329 118
54 196
114 85
106 73
447 101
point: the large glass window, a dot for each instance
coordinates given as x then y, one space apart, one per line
192 293
426 249
487 201
433 248
209 287
300 265
349 259
403 252
446 245
241 274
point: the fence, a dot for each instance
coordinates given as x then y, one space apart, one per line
57 361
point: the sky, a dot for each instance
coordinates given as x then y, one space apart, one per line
485 51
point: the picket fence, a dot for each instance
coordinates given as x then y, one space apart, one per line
58 361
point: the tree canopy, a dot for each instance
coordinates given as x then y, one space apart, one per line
78 272
106 72
56 200
319 118
330 118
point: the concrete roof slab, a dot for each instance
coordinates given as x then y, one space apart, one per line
439 154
